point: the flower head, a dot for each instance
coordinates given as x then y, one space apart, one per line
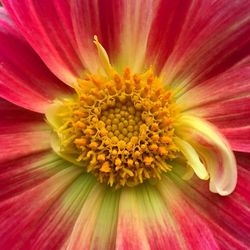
129 123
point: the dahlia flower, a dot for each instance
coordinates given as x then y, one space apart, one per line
124 124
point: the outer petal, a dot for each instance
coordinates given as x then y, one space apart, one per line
47 26
230 85
54 229
22 215
165 29
239 138
95 227
226 105
24 79
228 217
148 220
121 26
19 175
22 132
211 37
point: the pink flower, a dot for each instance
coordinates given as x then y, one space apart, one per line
138 140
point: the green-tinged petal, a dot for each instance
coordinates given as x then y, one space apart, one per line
82 233
57 223
104 236
144 222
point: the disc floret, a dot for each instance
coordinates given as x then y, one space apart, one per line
120 128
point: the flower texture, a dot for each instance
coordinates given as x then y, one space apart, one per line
124 124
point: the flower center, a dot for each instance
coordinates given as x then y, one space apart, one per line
119 127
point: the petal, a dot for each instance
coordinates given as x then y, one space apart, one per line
22 132
214 36
228 217
192 157
121 26
225 105
81 237
55 227
230 113
155 217
214 151
96 226
24 79
17 176
21 214
239 138
231 85
193 230
165 30
144 222
47 26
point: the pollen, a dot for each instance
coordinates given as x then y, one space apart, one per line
120 127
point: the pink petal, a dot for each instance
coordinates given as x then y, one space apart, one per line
194 231
211 37
22 132
121 26
54 230
47 26
232 84
231 113
24 79
165 30
153 217
224 101
22 215
243 160
83 230
19 175
239 138
228 217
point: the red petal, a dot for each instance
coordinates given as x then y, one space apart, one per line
213 36
239 138
228 217
47 26
24 79
22 132
22 215
121 26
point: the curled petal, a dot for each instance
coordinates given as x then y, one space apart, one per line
192 158
214 151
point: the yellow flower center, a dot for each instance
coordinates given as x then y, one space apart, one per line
120 127
117 126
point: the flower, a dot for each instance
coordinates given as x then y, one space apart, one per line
124 124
